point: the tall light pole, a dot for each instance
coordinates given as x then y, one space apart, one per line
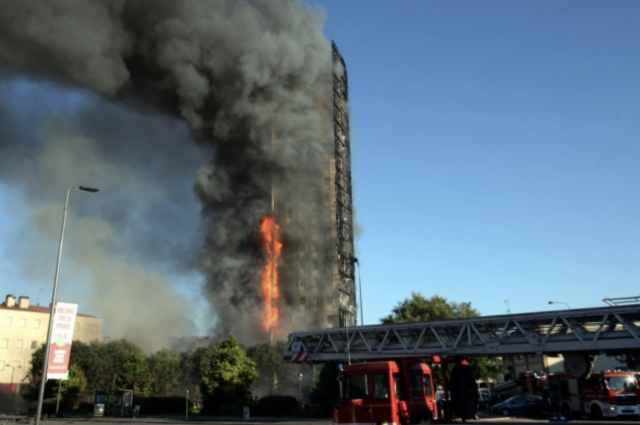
300 378
560 302
355 261
13 404
43 379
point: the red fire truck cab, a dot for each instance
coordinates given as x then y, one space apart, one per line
400 392
603 394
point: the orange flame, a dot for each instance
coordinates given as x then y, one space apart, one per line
269 279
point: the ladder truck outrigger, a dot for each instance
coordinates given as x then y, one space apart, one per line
389 382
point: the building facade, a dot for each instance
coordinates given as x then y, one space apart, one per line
23 328
318 265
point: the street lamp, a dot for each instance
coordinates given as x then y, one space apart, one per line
300 378
355 261
13 404
43 379
560 302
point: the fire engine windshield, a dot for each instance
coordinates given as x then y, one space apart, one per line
356 387
621 383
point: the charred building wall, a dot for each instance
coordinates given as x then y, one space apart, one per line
321 267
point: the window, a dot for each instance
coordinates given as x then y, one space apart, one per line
22 323
415 381
356 387
88 327
428 386
380 386
315 264
303 300
19 343
34 345
302 283
36 324
398 386
94 328
617 383
593 382
4 343
7 321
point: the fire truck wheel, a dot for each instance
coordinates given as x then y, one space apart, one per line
577 365
596 412
464 392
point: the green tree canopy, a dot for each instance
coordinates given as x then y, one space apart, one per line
165 370
227 378
268 360
326 390
420 309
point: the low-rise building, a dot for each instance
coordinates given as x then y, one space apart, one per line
23 328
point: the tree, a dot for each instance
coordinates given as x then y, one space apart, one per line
30 392
227 378
193 365
420 309
268 360
326 391
70 390
165 370
74 387
134 374
111 365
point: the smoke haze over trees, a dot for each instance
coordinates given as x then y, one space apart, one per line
169 107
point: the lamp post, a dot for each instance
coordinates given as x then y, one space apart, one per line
13 403
300 379
43 379
356 262
560 302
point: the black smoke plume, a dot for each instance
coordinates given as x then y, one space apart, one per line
253 81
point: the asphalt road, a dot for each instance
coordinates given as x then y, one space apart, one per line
498 420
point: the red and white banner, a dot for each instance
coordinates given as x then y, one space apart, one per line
64 322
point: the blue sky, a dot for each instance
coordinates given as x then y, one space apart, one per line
495 151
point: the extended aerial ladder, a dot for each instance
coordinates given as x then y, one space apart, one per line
578 334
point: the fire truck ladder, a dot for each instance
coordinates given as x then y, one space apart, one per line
599 330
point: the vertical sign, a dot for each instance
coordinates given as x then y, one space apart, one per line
64 321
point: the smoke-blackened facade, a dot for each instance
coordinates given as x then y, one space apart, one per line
267 106
323 269
343 206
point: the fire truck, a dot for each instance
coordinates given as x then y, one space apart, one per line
372 391
388 356
609 394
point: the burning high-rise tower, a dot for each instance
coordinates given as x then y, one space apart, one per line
256 84
321 266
